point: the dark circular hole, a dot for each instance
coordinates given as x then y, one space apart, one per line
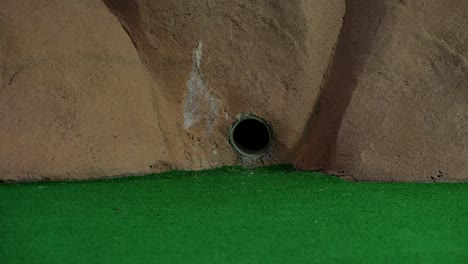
250 136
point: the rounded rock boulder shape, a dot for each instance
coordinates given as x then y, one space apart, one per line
94 89
394 106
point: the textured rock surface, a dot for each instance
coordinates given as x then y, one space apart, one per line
75 99
215 60
395 103
93 89
104 88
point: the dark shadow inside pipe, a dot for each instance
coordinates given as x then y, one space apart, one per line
250 136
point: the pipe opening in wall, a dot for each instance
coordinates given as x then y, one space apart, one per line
250 136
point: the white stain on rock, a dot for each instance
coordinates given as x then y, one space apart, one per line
200 102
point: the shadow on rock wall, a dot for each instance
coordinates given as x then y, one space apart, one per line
95 89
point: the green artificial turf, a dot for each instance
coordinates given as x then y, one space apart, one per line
233 215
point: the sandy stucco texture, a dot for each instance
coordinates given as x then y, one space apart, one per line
364 89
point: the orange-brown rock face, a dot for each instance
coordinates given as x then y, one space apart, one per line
214 61
75 99
104 88
93 89
395 103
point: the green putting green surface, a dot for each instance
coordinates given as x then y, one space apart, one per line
233 215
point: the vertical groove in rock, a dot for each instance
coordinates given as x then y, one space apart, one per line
319 147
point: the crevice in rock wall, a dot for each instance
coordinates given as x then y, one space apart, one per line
361 23
266 52
125 12
128 15
299 147
135 44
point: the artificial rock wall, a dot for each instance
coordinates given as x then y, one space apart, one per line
394 106
370 90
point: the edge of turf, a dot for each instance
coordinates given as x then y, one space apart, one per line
174 174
